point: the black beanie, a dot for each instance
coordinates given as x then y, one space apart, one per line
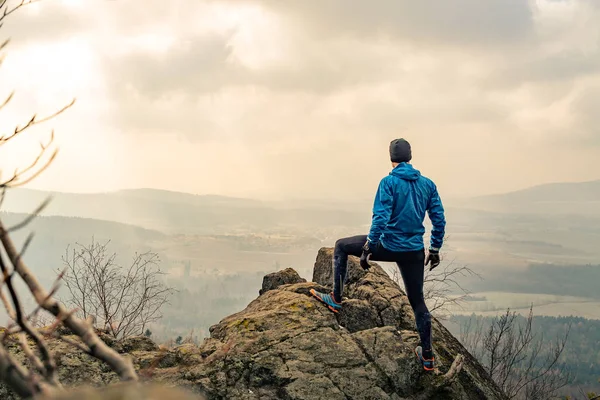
400 151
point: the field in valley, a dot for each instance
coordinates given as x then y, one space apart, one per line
494 303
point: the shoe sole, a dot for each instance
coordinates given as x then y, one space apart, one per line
312 292
424 367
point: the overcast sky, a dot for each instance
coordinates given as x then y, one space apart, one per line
300 99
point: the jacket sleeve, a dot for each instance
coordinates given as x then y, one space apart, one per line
435 210
382 210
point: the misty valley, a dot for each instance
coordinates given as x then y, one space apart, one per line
216 250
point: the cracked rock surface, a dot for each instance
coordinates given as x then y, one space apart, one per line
287 345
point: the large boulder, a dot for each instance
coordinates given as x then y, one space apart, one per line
287 345
274 280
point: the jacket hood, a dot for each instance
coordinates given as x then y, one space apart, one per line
406 171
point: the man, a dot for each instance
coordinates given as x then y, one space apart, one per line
396 235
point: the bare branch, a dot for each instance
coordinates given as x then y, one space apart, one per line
26 383
98 349
75 344
7 11
6 304
17 178
444 380
49 367
441 285
521 362
27 220
455 368
7 41
122 300
2 194
16 376
10 96
35 361
34 121
52 292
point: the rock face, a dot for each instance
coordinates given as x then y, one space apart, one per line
286 277
287 345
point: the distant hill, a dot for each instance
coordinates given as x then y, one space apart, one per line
575 198
54 233
558 222
174 212
75 228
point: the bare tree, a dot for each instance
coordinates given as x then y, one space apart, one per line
524 364
441 287
42 379
443 290
121 300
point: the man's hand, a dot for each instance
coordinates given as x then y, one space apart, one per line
433 258
364 257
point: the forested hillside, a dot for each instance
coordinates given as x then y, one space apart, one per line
581 356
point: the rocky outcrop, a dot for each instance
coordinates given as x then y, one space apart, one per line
274 280
287 345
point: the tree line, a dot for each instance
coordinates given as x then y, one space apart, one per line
535 357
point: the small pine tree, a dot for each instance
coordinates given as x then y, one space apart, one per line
148 333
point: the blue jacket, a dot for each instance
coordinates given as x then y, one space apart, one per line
399 209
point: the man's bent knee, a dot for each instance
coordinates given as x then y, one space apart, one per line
417 302
340 245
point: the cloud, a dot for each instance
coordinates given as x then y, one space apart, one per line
197 65
282 97
45 22
458 22
207 63
584 129
564 65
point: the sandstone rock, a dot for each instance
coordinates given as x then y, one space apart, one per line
137 343
287 345
276 279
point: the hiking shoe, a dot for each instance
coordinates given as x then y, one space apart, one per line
327 299
427 364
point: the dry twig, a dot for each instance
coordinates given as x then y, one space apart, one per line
23 382
443 381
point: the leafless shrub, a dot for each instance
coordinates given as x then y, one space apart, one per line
525 365
123 301
441 287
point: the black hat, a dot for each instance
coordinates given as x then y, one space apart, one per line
400 151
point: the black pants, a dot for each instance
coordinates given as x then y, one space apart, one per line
412 269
